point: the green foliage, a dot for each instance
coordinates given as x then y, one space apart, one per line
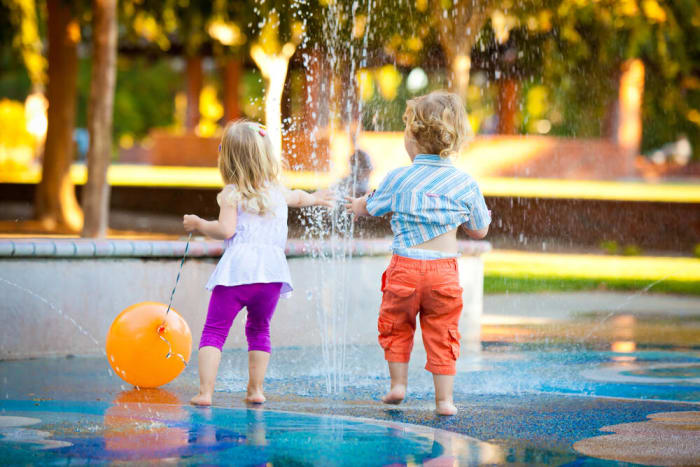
500 284
610 247
144 97
631 250
14 79
586 44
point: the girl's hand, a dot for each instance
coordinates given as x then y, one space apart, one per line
356 206
191 222
324 198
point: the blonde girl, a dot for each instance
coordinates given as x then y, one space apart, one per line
253 271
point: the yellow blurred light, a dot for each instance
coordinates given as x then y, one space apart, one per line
588 266
623 346
227 33
74 32
545 20
653 11
628 7
126 141
502 24
298 30
421 5
537 101
388 79
35 107
365 84
16 143
462 63
206 128
180 109
414 44
288 49
209 106
358 27
269 37
694 116
532 23
631 90
543 126
146 26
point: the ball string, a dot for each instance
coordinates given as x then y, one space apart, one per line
161 328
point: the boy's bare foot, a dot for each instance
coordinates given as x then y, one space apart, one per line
201 399
445 408
395 395
255 397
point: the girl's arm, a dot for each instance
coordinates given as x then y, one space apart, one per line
300 198
221 229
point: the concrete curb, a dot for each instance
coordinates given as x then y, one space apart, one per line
89 248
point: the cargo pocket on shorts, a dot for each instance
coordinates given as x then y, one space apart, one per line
454 338
401 291
385 326
446 298
447 291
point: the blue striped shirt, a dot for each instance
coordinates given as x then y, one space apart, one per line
428 198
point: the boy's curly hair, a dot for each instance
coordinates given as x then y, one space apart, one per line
438 122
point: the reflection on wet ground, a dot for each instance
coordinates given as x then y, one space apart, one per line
595 386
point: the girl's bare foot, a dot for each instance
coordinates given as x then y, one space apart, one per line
201 399
395 395
255 397
445 408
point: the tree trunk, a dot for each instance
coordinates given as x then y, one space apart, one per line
628 132
458 78
104 60
458 28
507 104
273 67
56 206
195 80
232 83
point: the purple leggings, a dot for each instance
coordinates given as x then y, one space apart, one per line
226 302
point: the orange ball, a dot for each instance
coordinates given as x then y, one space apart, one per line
135 350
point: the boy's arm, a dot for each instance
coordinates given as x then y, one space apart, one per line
357 206
477 226
377 203
475 234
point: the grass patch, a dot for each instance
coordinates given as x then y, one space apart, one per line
494 284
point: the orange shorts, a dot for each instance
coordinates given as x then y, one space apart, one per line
431 288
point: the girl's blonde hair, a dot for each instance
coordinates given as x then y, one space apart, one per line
438 122
247 161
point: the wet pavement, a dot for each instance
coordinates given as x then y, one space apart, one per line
517 406
596 384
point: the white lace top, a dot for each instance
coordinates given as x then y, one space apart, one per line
255 253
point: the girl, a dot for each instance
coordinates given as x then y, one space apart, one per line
430 200
253 270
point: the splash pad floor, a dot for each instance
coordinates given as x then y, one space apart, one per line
615 379
519 404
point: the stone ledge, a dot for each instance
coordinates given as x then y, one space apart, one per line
88 248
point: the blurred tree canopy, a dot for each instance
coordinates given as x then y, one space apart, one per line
580 47
568 53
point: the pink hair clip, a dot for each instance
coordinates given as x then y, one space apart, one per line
261 131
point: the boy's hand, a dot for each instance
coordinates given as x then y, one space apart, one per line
356 206
324 198
191 222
